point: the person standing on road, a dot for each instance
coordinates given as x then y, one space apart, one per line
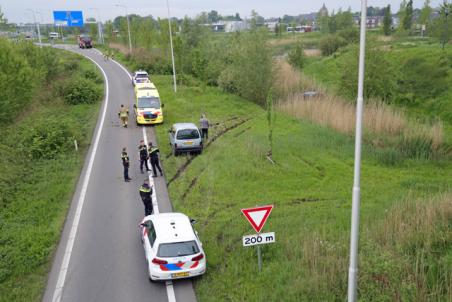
125 164
154 156
204 125
124 115
143 156
146 197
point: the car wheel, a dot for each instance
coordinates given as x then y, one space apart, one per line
175 152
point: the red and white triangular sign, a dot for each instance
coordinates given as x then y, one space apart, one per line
257 216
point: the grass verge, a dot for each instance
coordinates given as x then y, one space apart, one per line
310 186
39 181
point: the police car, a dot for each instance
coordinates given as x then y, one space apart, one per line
140 76
171 247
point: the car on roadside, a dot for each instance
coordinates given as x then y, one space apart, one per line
140 76
185 137
172 247
148 107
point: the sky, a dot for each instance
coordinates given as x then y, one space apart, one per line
16 11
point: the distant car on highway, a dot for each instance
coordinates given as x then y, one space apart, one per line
185 137
84 41
140 76
172 247
148 108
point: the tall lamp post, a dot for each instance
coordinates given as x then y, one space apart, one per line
128 26
446 26
37 26
171 44
354 236
99 26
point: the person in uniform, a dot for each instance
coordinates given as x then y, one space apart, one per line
125 164
124 115
154 156
144 156
146 197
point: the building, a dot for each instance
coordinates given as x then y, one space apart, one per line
323 12
229 26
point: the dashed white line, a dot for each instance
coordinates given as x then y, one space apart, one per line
81 200
170 291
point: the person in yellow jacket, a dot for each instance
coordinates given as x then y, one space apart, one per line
124 115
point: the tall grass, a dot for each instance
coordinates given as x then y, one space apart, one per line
384 125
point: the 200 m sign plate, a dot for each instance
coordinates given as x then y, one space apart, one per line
265 238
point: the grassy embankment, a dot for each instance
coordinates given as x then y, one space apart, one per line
310 185
39 169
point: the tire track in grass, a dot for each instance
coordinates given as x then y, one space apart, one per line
182 169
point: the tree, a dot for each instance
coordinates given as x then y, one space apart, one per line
408 16
401 14
387 21
3 20
296 56
213 16
344 20
426 12
442 26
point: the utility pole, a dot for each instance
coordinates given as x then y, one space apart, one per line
128 26
37 26
99 26
354 236
171 44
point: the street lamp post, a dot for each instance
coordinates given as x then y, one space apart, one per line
99 26
354 236
171 44
128 26
446 27
37 26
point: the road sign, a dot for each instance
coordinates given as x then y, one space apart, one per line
257 216
68 18
250 240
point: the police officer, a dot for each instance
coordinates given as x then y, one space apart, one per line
143 156
154 156
146 197
125 164
124 115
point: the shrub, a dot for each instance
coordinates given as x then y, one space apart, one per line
93 76
296 56
45 139
350 35
80 91
330 44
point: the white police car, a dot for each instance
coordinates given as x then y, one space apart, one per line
172 247
140 76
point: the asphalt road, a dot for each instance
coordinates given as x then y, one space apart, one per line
100 243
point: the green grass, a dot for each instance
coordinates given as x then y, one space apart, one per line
310 186
35 206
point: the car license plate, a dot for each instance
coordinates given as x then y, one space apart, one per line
178 275
189 143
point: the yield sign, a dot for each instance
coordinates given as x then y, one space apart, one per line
257 216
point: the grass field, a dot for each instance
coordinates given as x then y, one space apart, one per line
36 200
310 186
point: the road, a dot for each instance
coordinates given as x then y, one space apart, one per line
100 257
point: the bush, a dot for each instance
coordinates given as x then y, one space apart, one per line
46 138
296 56
330 44
93 76
80 91
350 35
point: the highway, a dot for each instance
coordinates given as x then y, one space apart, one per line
100 256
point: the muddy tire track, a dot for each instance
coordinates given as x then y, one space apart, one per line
182 168
192 184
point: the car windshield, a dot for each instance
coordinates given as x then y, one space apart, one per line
178 249
141 75
187 134
151 102
86 39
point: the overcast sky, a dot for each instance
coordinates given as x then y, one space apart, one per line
15 10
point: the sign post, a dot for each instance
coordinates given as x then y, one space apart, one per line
257 217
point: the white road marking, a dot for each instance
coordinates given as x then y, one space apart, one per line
169 284
81 200
170 291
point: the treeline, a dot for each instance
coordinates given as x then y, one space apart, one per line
240 63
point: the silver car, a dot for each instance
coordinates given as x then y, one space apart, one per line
185 137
